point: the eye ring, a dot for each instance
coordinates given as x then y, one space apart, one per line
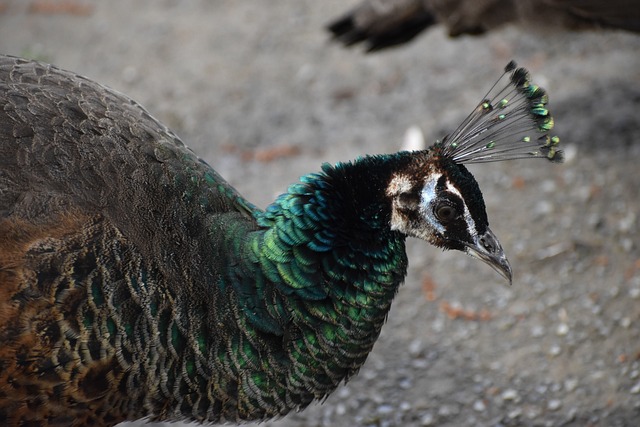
445 212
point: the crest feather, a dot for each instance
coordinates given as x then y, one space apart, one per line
511 122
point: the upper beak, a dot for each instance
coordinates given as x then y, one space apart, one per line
487 248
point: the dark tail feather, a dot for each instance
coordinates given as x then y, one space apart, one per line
388 23
380 31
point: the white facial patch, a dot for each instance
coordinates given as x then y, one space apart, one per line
399 184
471 224
427 197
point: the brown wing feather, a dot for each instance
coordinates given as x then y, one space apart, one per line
94 193
47 369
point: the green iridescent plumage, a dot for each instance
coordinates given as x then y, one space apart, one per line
144 285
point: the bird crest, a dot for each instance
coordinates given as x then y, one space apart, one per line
511 122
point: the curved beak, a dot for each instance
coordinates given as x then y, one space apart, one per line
487 248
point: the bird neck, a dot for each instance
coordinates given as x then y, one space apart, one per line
292 308
329 236
322 270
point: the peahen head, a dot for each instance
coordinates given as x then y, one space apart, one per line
434 197
442 204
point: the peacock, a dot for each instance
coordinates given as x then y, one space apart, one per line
136 282
386 23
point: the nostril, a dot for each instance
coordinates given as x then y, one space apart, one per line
487 244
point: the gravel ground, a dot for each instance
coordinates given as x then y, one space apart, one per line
260 93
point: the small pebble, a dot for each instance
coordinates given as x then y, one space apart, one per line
571 384
378 398
532 412
515 413
344 392
635 389
555 350
537 331
447 410
554 404
415 348
625 322
571 416
509 394
634 293
427 419
405 383
369 374
479 406
385 409
627 245
626 224
543 208
563 329
570 152
420 363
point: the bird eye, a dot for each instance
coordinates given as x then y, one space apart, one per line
446 213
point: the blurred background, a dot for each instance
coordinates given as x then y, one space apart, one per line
261 93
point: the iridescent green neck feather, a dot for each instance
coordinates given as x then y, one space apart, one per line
320 279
